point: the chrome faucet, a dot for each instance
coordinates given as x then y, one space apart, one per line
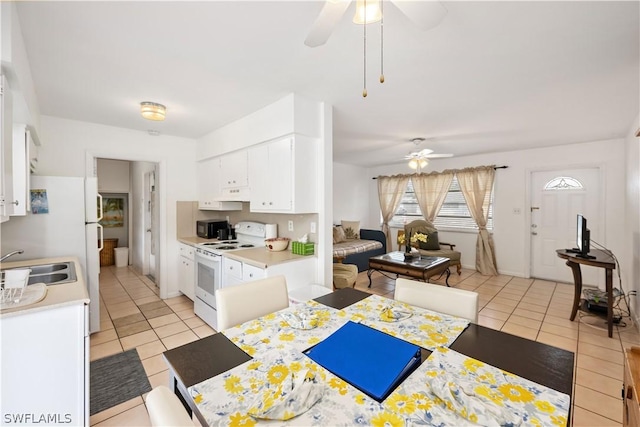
10 254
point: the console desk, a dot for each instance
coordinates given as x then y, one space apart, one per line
602 260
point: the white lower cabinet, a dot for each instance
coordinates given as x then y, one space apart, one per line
251 272
298 273
231 272
44 366
187 271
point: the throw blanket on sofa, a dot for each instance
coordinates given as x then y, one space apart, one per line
355 246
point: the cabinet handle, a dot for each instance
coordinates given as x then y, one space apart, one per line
270 203
250 274
629 392
231 268
15 203
264 203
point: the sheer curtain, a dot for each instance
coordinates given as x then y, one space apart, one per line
390 192
431 189
476 185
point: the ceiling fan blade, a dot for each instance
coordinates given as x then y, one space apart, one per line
438 156
424 14
326 21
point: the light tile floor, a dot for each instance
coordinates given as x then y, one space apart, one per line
133 316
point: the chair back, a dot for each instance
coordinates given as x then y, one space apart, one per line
250 300
452 301
165 409
419 226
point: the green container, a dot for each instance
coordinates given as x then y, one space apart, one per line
299 248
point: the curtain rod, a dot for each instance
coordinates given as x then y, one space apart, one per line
497 167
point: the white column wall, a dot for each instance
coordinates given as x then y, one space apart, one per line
630 267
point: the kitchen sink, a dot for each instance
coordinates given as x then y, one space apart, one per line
50 274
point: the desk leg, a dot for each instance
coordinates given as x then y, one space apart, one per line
577 286
609 286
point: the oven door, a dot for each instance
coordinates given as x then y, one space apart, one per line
208 275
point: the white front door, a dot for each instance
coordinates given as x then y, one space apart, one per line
557 197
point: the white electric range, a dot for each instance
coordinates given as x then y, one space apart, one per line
209 266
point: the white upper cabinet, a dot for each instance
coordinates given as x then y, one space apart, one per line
234 179
233 168
6 152
22 145
210 188
282 176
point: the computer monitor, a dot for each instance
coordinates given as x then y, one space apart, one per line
583 238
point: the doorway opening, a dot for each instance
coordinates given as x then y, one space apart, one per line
135 183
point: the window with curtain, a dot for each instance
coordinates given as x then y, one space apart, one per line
454 213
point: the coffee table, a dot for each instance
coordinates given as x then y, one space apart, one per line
419 267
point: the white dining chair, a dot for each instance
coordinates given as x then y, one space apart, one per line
456 302
250 300
165 409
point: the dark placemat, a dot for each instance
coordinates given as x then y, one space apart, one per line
116 379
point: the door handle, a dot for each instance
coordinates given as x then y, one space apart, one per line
533 233
148 230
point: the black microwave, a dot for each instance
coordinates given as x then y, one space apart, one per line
208 229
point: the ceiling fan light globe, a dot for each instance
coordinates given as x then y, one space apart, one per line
413 164
372 12
423 163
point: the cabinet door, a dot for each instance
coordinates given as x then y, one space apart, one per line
186 281
250 272
259 171
6 148
234 167
21 146
280 177
208 182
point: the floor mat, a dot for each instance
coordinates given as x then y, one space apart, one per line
116 379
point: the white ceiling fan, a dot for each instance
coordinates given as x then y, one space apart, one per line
424 14
419 159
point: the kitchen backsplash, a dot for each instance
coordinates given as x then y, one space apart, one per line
187 213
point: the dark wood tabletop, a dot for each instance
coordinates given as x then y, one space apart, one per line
547 365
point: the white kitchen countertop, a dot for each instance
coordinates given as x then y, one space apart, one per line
57 295
258 257
263 258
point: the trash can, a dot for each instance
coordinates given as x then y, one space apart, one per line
122 256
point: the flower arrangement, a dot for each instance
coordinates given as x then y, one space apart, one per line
417 237
414 238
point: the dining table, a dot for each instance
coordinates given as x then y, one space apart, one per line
458 352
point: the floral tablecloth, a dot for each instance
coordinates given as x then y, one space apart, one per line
273 332
447 389
451 389
425 328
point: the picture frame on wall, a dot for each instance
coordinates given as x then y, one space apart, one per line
113 212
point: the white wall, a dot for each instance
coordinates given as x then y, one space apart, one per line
511 233
113 176
630 265
351 195
67 146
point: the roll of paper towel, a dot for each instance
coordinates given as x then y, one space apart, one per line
271 231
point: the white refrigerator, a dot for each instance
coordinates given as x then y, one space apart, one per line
70 228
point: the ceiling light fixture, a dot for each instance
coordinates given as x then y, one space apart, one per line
153 111
367 12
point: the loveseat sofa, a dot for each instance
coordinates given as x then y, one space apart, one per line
358 251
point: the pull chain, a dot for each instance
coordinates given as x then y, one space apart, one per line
364 90
381 41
